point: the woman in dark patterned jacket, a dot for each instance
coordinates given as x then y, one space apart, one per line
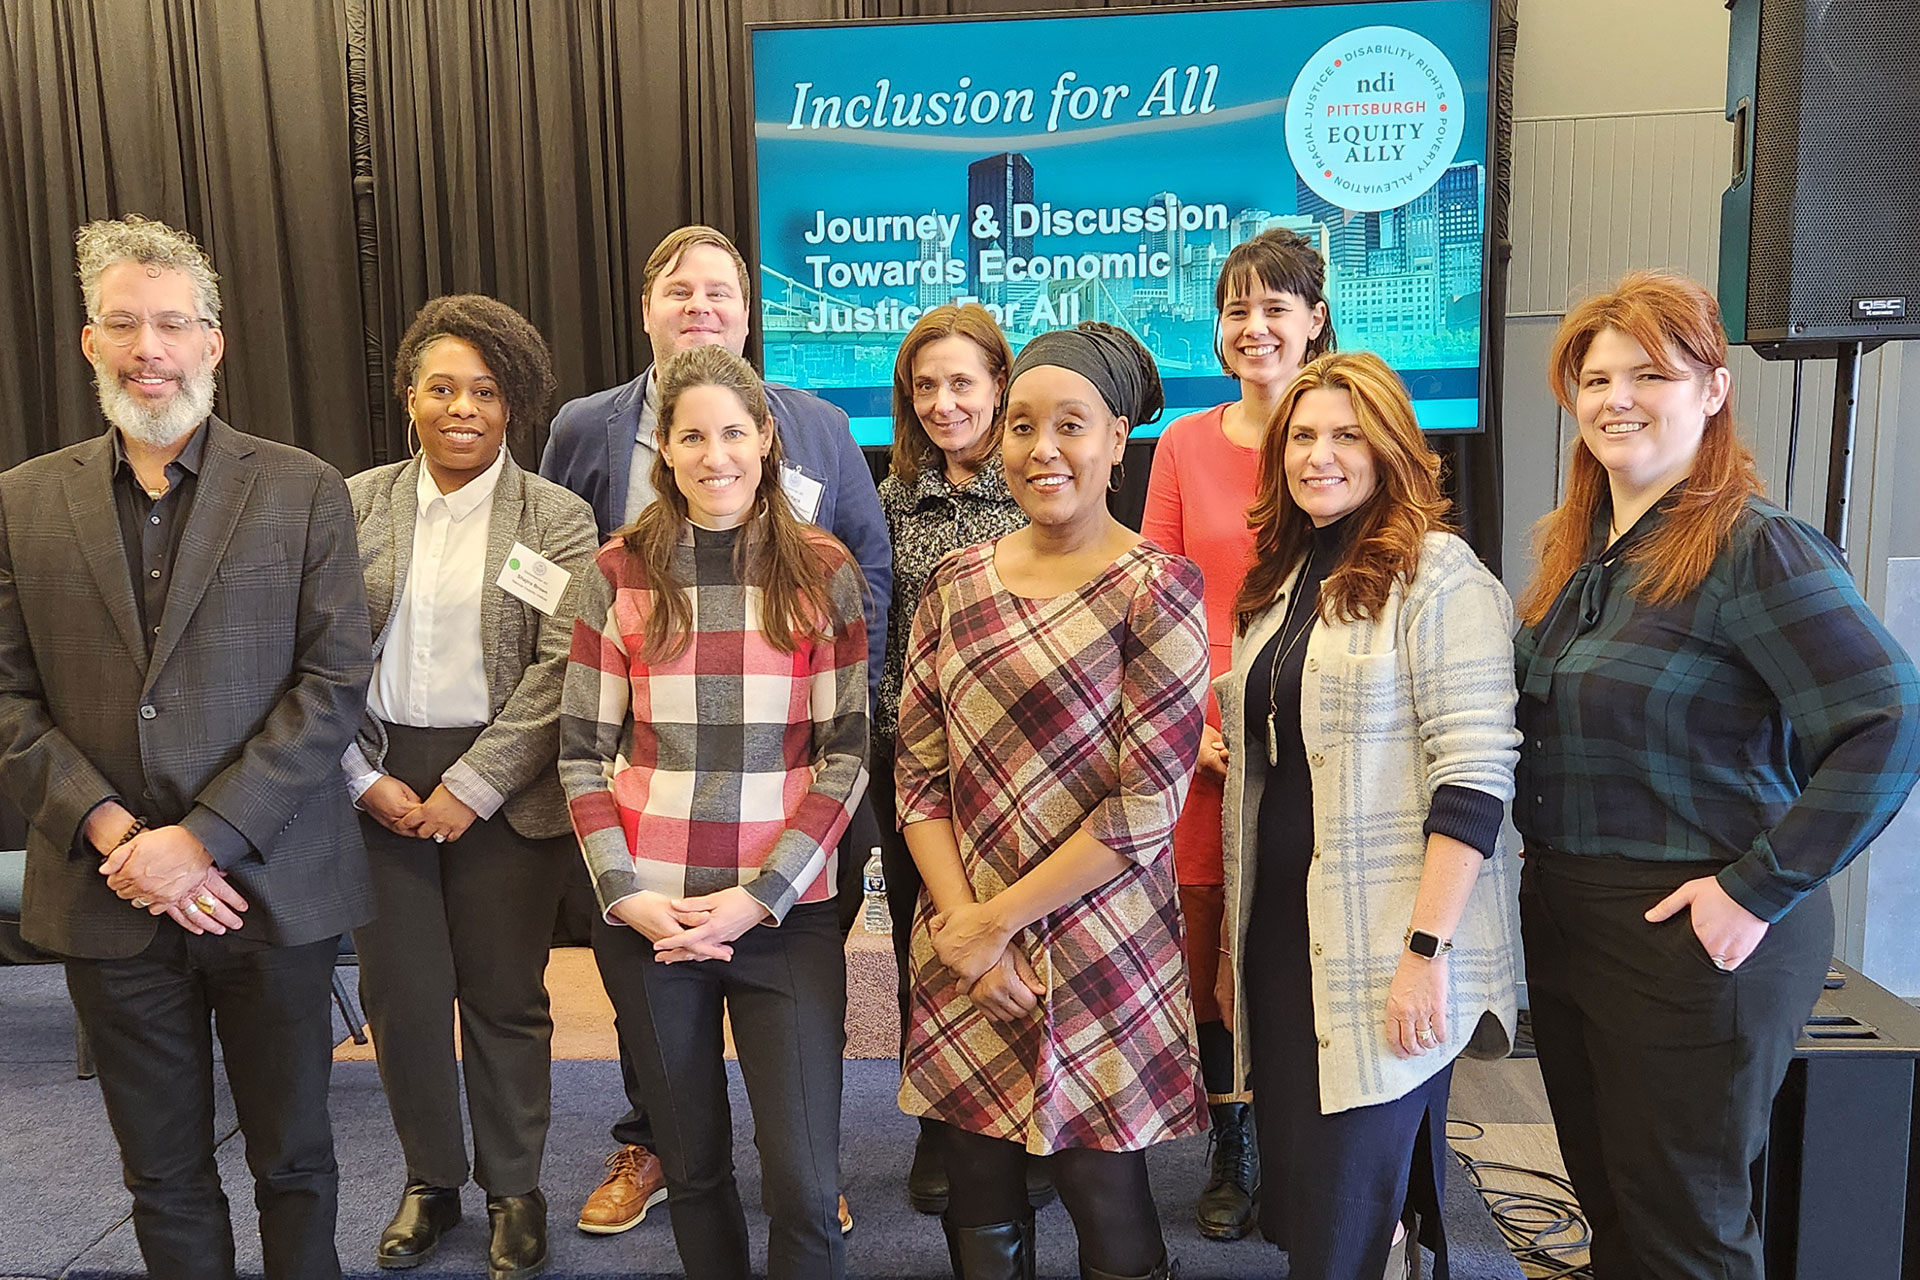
947 490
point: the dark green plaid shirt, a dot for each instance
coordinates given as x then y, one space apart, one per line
1766 723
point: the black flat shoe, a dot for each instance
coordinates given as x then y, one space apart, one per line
519 1244
424 1215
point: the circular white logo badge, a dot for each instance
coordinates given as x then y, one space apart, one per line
1374 118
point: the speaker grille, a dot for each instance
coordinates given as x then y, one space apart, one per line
1836 173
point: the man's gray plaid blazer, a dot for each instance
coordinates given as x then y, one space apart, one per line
257 679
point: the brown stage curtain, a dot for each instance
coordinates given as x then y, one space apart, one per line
227 117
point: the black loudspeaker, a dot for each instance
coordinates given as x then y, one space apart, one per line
1820 227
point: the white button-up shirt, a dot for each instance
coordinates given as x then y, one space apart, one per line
431 674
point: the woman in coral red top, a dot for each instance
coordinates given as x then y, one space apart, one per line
1271 299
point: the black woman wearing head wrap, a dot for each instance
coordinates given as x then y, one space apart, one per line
1049 721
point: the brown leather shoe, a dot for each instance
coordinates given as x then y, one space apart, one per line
634 1185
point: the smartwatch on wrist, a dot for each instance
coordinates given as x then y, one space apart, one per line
1427 945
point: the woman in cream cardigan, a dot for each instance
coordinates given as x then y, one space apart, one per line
1369 717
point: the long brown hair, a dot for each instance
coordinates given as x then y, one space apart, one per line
1669 315
913 450
1405 506
776 552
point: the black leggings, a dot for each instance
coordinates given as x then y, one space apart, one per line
1216 1057
1105 1193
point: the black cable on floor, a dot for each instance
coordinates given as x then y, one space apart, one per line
1541 1229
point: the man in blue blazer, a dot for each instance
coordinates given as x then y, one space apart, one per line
601 447
697 292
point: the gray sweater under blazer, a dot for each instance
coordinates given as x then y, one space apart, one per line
512 763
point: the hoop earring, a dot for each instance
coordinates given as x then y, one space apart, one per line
1118 480
412 439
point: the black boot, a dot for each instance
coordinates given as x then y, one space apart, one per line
519 1244
424 1215
1226 1208
927 1179
1040 1192
1167 1270
1002 1251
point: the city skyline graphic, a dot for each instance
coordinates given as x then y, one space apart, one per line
1176 151
1403 283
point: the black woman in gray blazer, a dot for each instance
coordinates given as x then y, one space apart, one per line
472 567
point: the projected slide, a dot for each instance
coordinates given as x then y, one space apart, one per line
1100 167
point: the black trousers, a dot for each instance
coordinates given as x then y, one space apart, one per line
635 1128
1661 1069
151 1019
468 922
903 874
786 993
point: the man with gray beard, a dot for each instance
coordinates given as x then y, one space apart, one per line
183 658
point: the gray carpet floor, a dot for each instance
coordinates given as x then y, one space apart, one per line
63 1210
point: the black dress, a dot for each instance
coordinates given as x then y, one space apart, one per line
1332 1186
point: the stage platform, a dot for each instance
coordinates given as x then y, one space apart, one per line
63 1210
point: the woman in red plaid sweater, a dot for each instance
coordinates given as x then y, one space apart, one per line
713 743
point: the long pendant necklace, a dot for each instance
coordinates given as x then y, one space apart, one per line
1280 658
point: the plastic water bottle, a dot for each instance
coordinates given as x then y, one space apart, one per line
873 879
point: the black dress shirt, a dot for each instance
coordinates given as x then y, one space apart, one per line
150 530
150 527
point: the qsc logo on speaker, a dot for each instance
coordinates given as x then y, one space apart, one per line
1879 308
1374 118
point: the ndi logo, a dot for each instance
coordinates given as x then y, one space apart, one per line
1374 118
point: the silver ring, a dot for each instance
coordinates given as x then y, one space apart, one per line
439 837
143 903
1720 963
193 908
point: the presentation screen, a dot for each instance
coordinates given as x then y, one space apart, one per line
1100 166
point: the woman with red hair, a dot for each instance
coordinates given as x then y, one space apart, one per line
1715 724
1370 748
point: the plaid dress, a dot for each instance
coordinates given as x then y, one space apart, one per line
1023 721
